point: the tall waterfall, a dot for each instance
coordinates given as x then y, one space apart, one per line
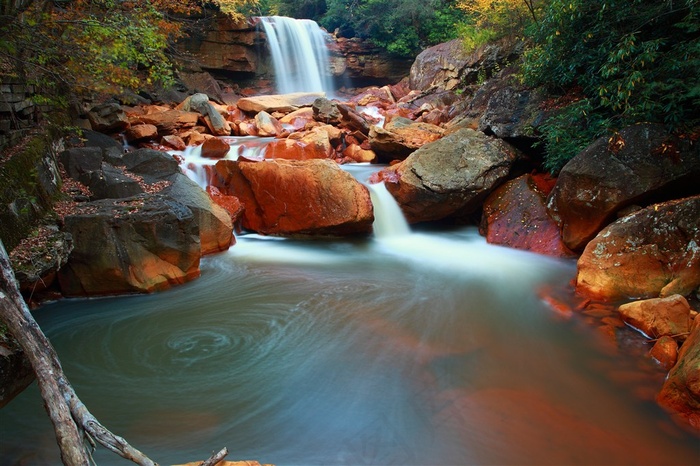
299 54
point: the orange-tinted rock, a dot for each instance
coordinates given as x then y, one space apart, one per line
638 165
215 148
286 197
681 391
665 352
170 121
401 136
195 138
247 128
658 317
298 119
278 103
267 125
515 215
358 154
292 149
230 203
649 253
139 132
174 142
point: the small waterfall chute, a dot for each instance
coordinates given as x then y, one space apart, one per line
299 54
389 221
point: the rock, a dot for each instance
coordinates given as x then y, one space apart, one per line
361 61
357 154
515 215
16 372
267 125
326 111
650 253
377 96
639 165
681 390
215 148
214 223
230 204
110 183
214 120
170 121
449 177
36 267
352 120
298 119
141 244
140 132
448 65
174 142
658 317
295 149
202 82
285 197
151 162
402 136
284 103
512 113
108 118
78 161
665 352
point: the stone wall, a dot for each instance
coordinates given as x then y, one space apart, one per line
18 113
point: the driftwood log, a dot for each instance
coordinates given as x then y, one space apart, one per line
76 428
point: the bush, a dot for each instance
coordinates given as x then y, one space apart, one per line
635 60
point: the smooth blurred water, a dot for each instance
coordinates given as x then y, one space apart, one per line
427 349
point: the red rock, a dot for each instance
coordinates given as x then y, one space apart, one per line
170 121
401 136
215 148
515 215
174 142
139 132
298 119
234 114
247 128
665 352
681 391
658 317
649 253
291 149
286 197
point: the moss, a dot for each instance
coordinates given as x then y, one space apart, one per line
29 187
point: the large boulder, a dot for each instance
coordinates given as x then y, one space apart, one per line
169 121
641 164
650 253
451 176
515 215
401 136
284 103
288 197
681 391
141 244
513 113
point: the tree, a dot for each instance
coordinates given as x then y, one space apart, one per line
83 47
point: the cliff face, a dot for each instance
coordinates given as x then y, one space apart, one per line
238 51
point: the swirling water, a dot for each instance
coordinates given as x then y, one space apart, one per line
424 349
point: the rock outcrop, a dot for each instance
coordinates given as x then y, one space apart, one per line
401 136
285 197
449 177
641 164
649 253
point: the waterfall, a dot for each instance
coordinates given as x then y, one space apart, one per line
389 221
299 54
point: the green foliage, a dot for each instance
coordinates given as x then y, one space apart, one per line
635 60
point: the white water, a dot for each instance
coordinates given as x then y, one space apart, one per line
299 54
389 221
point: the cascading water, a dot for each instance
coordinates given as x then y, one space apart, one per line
299 54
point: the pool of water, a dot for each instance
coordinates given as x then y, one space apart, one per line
428 348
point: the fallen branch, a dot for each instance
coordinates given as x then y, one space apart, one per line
215 458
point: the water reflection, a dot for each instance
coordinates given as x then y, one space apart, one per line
425 349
